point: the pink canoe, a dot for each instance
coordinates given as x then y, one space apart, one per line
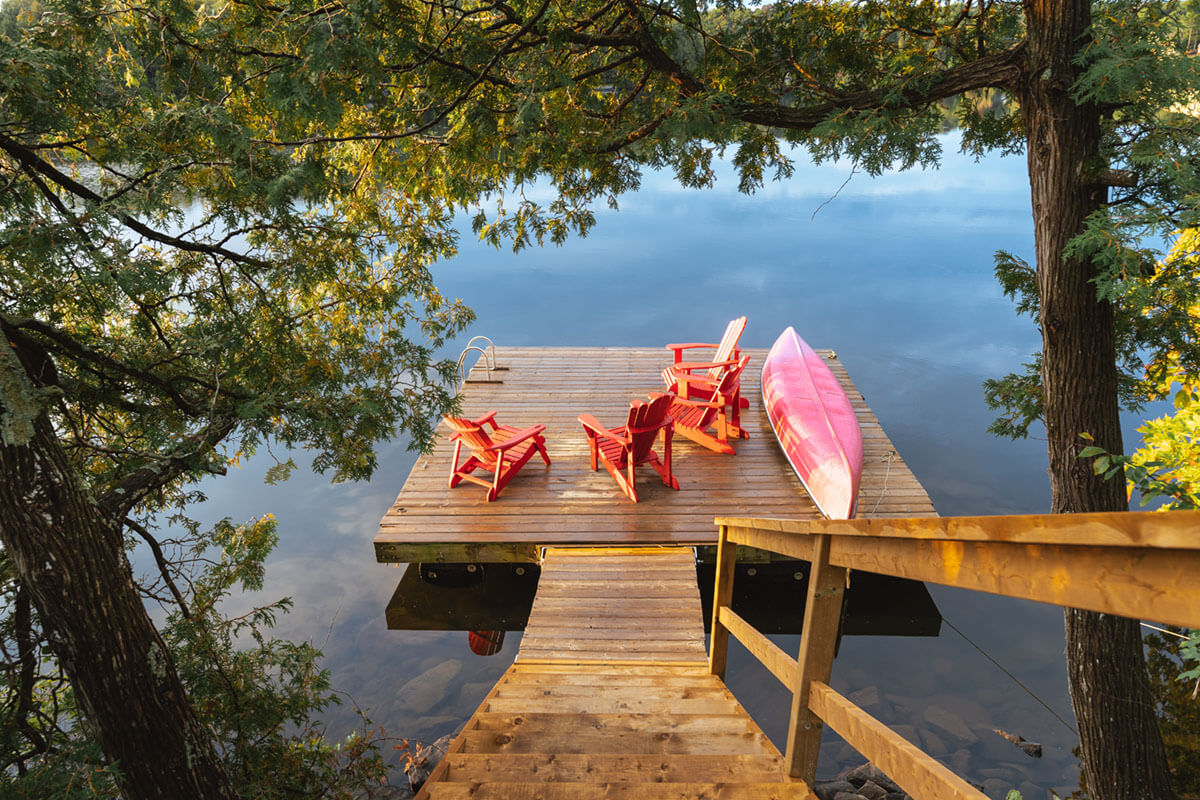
814 423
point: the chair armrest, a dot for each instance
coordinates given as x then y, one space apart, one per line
488 417
592 425
518 437
694 377
690 346
688 366
690 403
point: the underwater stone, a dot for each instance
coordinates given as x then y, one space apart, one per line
429 688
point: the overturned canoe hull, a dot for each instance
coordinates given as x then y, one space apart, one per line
815 424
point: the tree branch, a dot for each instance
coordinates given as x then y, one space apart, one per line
1002 70
1124 178
31 160
161 560
634 136
70 346
143 482
437 119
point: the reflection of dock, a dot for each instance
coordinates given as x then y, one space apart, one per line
498 601
567 503
498 597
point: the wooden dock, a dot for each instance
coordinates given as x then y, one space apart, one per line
568 504
611 694
611 697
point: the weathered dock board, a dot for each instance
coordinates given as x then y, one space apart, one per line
567 503
610 696
624 604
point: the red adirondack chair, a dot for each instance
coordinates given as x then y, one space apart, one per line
725 351
503 450
621 450
721 411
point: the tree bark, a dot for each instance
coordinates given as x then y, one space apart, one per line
1121 747
70 559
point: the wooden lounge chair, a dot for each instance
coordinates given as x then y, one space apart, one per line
503 450
721 411
725 352
622 450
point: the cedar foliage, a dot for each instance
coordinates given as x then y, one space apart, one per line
219 219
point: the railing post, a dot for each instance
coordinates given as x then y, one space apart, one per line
722 596
818 639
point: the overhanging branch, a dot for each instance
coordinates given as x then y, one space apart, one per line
141 483
999 71
29 159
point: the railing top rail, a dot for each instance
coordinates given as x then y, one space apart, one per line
1178 530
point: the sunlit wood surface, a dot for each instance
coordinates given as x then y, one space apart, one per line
624 604
567 503
610 696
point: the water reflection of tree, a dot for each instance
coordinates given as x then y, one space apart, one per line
1178 711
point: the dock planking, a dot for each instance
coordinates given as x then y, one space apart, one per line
568 504
610 696
616 604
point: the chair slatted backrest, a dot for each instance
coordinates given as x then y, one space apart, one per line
474 437
733 376
730 376
728 345
645 419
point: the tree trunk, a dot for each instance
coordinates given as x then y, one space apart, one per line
72 563
1121 747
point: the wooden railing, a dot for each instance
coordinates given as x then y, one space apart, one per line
1143 565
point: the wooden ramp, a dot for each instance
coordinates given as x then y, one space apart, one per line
567 503
610 696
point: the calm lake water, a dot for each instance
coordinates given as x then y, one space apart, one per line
896 275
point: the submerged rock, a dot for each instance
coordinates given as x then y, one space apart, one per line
429 688
933 743
910 733
950 723
873 702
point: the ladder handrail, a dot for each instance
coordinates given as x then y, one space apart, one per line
491 347
462 377
489 360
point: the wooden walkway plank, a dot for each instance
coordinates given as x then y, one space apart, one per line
595 585
578 768
610 696
616 791
616 724
567 503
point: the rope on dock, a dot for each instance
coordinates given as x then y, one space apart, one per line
887 457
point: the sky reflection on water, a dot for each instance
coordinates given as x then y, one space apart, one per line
894 273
